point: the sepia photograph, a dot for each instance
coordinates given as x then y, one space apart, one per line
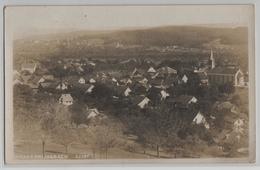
136 83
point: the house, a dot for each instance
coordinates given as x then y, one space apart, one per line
239 126
90 89
144 102
226 107
25 77
30 67
127 91
164 95
138 88
157 83
92 63
167 70
62 86
155 75
203 78
92 113
144 81
129 81
136 73
17 81
151 70
184 79
170 80
82 80
200 119
16 73
92 80
114 80
66 99
46 78
48 85
223 75
183 101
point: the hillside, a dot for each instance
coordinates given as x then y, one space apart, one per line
168 41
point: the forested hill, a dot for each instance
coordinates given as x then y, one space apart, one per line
178 35
134 43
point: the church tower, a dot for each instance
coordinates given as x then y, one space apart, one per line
212 63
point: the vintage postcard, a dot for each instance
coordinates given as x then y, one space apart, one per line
132 84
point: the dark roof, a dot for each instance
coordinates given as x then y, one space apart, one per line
28 65
223 70
183 99
136 99
81 86
49 84
34 79
202 75
156 82
167 70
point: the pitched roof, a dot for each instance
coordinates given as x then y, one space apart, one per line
67 96
202 75
144 102
136 99
183 99
151 70
223 70
167 70
28 66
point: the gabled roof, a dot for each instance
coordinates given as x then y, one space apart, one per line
223 70
82 86
67 96
167 70
156 82
49 84
184 99
28 66
144 102
151 70
202 75
136 99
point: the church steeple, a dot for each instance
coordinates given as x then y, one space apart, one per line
211 60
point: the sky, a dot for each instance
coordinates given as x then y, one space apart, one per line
22 21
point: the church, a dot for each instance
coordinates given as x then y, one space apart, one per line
223 75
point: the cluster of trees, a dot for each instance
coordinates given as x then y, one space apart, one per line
99 137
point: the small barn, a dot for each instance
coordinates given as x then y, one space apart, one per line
66 99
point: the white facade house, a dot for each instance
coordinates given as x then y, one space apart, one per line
144 102
129 81
66 99
127 91
164 95
30 67
151 70
17 81
62 86
184 79
90 89
239 126
82 80
239 78
200 119
92 80
143 81
193 100
93 113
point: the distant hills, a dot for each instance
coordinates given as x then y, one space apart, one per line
189 36
178 35
135 42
